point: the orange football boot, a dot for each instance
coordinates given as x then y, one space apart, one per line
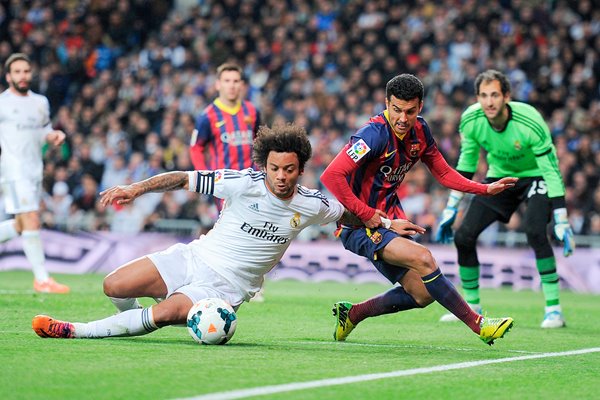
49 286
48 327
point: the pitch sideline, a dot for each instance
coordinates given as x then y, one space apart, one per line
294 386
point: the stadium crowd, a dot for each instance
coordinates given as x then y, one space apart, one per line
127 78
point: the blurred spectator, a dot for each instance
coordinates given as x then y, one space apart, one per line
128 79
58 205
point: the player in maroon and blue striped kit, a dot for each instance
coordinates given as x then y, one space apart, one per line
365 177
225 130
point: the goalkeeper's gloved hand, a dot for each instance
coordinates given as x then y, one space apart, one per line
563 231
444 233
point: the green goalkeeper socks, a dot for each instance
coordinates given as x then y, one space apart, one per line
549 277
469 277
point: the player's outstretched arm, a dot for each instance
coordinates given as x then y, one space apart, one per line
125 194
501 185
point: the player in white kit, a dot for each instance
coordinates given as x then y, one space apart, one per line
263 212
24 128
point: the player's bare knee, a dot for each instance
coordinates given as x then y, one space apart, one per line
424 263
110 285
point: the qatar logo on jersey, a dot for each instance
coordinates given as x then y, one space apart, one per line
397 174
237 138
358 150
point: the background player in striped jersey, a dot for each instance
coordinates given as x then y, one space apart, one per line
365 177
24 128
226 128
266 211
518 143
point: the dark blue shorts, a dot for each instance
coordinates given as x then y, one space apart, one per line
367 242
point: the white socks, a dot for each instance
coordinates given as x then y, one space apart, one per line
127 323
32 246
124 304
549 309
7 230
34 251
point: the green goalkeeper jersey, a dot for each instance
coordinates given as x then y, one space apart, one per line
523 149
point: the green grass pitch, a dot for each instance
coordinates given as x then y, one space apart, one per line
288 339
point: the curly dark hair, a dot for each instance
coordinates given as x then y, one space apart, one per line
405 87
288 138
492 75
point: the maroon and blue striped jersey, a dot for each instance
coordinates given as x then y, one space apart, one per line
227 133
368 171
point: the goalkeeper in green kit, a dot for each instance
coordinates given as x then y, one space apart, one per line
518 143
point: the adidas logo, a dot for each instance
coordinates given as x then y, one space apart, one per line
253 207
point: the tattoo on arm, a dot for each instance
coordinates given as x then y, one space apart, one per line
350 219
164 182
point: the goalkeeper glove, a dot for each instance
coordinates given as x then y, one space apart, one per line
444 233
563 231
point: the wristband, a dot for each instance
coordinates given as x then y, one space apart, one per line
192 181
386 223
454 198
560 215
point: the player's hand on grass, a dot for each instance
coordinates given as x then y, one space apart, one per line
563 231
501 185
444 233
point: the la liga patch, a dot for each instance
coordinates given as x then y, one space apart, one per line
358 150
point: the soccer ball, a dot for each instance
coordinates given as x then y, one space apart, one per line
211 321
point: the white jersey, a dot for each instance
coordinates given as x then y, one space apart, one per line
255 227
24 124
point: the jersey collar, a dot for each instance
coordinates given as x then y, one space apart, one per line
231 110
510 116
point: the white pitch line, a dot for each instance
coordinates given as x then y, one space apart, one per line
294 386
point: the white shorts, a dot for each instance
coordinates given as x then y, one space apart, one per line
189 275
22 196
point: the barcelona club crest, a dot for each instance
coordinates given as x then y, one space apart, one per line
414 149
376 237
295 221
